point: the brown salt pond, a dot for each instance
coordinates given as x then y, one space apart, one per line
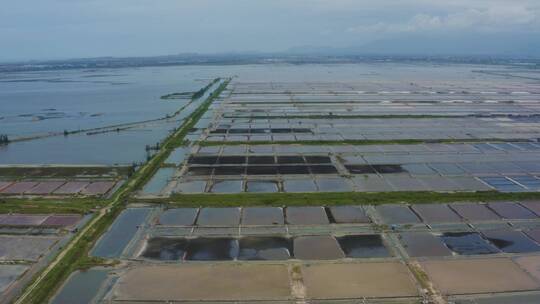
262 216
478 276
475 212
503 298
98 188
531 264
436 213
317 248
219 217
265 248
22 219
306 216
363 246
71 188
349 214
397 214
512 211
19 187
358 280
4 185
45 187
67 220
203 282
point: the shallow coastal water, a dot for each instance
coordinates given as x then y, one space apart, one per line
37 104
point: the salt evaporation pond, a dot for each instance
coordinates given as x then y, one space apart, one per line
81 287
113 243
158 181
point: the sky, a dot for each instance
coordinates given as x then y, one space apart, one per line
59 29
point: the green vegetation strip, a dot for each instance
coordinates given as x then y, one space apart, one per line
358 142
338 116
337 198
192 95
201 92
177 139
178 95
76 255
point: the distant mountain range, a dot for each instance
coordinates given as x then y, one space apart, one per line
418 48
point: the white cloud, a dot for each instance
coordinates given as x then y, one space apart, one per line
86 28
497 18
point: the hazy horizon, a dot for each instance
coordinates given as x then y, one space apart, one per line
61 29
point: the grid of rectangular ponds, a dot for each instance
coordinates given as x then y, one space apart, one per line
294 232
265 248
240 119
367 128
290 112
322 247
506 167
313 114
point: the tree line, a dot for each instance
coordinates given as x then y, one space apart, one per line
4 139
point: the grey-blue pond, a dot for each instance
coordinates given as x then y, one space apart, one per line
363 246
159 181
115 240
511 241
165 249
397 214
212 249
467 243
262 216
306 216
81 287
265 248
423 244
219 217
53 101
178 217
177 156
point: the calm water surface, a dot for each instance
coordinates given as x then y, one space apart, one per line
34 103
